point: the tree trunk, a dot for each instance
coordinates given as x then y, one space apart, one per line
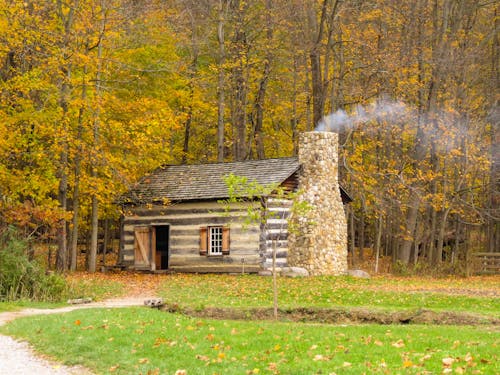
61 229
221 83
94 174
294 120
431 242
377 242
440 238
94 224
275 282
361 230
105 241
76 216
352 244
77 170
258 115
62 245
319 71
192 74
239 81
409 234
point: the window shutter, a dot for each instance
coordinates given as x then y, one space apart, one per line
203 240
225 241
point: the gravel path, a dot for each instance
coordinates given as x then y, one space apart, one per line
17 358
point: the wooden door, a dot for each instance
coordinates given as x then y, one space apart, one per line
143 245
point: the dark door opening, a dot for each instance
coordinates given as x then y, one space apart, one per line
162 246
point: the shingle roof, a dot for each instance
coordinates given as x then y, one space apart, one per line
205 181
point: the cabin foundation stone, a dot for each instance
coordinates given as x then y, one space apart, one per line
318 242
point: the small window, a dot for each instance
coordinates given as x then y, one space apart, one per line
215 241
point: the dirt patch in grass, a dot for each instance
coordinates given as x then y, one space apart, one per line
340 316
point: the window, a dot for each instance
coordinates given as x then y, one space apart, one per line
214 240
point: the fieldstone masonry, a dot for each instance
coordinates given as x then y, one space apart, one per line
319 241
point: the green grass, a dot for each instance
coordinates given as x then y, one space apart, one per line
384 294
142 341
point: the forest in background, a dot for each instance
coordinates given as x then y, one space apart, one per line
96 93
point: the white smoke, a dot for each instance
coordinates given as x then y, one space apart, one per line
382 110
446 130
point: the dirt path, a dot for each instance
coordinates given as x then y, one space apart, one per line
17 358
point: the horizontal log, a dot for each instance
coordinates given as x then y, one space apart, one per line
190 230
146 221
247 268
192 208
210 261
279 254
212 203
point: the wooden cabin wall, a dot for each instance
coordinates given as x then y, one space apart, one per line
185 221
275 230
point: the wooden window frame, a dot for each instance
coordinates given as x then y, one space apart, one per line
206 241
215 234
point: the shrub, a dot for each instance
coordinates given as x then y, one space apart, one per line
22 278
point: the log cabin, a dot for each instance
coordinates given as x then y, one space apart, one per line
173 218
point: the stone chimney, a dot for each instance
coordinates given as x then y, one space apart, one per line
318 240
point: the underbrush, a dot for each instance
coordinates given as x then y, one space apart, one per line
426 269
22 278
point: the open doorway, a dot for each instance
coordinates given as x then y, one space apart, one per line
162 246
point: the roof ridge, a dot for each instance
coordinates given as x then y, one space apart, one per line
229 162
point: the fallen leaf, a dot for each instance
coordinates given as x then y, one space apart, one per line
181 372
425 357
468 358
347 364
378 343
448 361
407 363
398 344
143 360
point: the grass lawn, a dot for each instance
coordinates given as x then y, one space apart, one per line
146 341
387 293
